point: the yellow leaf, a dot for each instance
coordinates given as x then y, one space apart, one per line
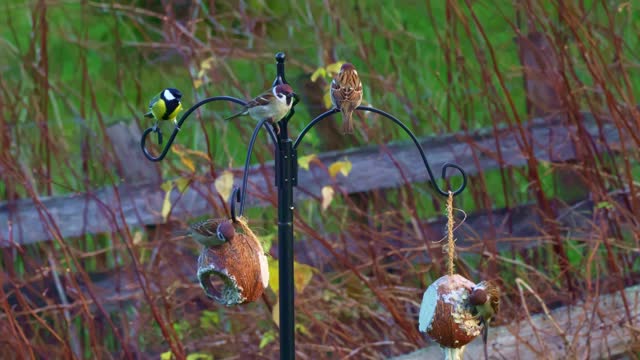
182 184
333 69
206 63
224 184
166 205
137 237
201 154
343 167
178 149
197 83
304 161
327 100
199 356
302 275
167 355
316 74
275 313
302 329
167 185
274 275
327 196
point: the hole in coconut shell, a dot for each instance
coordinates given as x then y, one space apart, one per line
213 286
218 284
221 287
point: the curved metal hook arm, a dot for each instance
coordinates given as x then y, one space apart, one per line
235 198
177 128
411 135
245 174
312 124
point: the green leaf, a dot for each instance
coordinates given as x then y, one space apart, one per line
267 338
267 241
209 319
604 205
166 355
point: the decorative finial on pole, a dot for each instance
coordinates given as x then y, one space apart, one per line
280 58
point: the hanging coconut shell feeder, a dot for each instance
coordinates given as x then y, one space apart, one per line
445 312
235 272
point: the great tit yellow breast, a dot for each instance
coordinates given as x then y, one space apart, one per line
173 113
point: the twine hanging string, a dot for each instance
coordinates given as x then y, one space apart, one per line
451 242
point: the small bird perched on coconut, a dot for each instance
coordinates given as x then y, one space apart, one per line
212 232
485 300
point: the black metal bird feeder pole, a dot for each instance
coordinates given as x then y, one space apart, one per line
286 178
286 173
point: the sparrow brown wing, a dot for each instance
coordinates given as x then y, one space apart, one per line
346 95
205 227
261 100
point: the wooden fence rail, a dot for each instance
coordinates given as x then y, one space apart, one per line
108 209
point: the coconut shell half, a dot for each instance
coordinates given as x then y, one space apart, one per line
445 313
235 272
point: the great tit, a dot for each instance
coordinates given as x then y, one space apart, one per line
166 105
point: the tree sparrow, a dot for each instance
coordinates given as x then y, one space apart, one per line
346 94
212 232
273 104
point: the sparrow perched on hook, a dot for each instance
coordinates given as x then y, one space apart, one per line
485 300
273 105
346 94
166 105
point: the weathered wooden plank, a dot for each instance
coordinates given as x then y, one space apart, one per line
99 211
117 288
596 328
132 167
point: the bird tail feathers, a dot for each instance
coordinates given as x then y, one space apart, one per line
347 118
243 112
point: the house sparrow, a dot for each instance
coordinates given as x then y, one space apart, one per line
212 232
346 94
273 104
485 299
